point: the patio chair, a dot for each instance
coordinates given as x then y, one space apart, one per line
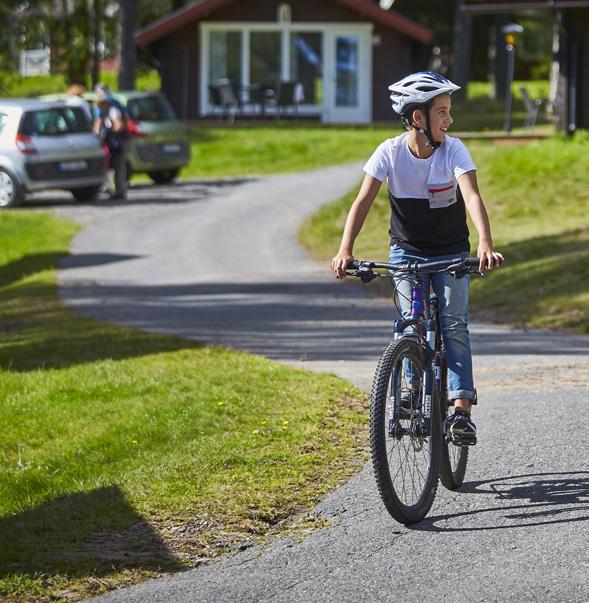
532 107
261 97
289 95
223 96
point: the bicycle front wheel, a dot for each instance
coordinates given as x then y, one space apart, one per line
405 452
454 458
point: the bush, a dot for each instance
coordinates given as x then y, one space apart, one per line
35 85
14 85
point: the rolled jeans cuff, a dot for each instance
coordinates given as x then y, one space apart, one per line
461 393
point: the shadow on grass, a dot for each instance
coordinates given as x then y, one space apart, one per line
84 534
541 277
48 336
482 114
38 332
39 262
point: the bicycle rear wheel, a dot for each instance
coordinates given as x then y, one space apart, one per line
406 459
453 459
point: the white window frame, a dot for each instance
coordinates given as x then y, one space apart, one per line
329 30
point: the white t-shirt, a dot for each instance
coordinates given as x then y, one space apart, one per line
408 177
428 214
113 114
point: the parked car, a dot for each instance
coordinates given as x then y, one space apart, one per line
47 145
159 144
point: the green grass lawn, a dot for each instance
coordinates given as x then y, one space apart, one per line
288 146
126 454
277 148
537 198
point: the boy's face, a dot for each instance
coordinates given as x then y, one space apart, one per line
439 116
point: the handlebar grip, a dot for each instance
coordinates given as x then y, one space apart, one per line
353 265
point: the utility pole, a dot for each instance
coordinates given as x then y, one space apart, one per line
511 33
128 58
96 41
461 49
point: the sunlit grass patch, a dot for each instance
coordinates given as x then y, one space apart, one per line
126 454
537 199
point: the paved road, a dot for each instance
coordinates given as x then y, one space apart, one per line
219 262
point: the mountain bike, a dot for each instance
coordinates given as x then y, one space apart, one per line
409 402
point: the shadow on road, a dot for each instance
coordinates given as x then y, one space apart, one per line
184 191
284 320
551 498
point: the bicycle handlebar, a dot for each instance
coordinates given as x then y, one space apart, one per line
458 267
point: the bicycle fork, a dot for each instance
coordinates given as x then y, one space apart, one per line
431 380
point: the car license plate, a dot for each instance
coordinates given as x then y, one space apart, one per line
72 166
171 148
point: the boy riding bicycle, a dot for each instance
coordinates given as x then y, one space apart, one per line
424 168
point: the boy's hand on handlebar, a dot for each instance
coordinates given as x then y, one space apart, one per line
489 258
340 263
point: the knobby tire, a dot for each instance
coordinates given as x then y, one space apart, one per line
389 455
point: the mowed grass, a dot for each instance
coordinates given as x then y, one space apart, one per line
277 148
125 454
538 200
224 150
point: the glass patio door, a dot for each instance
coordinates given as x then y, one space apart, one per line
349 63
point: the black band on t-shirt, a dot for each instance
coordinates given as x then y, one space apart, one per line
429 232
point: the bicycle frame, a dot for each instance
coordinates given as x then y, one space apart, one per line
425 319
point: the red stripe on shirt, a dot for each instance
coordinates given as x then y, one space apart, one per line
439 190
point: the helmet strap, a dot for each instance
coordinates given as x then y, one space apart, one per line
434 144
408 121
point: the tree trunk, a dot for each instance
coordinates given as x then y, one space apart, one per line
462 46
498 58
96 39
127 13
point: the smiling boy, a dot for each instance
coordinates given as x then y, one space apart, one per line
431 182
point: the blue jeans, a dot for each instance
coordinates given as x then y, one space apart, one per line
453 307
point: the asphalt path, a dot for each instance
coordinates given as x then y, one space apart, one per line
219 262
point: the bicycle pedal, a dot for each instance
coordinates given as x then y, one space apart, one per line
461 440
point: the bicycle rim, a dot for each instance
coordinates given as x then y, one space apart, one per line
406 460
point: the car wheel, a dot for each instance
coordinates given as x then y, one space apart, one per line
88 194
163 176
11 192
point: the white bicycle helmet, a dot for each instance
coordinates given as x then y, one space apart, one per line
417 90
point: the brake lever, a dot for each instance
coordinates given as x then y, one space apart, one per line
366 274
461 271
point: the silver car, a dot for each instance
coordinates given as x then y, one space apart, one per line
47 145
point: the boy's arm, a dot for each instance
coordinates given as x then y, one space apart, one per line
478 214
356 216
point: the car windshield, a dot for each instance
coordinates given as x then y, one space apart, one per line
55 122
150 108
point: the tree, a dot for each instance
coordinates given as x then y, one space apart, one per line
128 55
461 50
